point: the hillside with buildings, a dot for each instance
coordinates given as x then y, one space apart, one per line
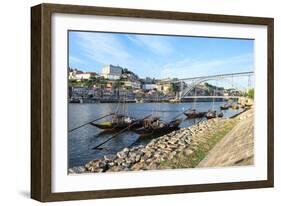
116 83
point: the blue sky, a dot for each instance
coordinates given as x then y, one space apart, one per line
160 56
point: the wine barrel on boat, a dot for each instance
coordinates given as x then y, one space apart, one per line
159 127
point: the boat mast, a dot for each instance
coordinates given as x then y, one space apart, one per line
195 98
215 91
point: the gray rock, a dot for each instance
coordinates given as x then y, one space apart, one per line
181 142
102 165
111 164
115 169
173 146
162 146
95 169
139 153
109 157
173 141
130 160
138 157
119 161
77 170
153 166
137 167
122 154
148 154
92 163
132 155
126 164
149 160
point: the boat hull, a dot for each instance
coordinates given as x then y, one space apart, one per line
116 127
194 115
211 115
172 126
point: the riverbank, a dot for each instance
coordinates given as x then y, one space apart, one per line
139 101
184 148
236 148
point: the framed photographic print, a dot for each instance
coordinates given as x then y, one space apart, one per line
130 102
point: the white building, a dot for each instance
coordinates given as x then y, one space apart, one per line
80 75
133 84
111 72
86 75
73 72
149 86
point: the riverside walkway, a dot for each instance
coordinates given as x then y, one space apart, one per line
236 148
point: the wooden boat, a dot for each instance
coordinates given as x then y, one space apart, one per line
211 114
194 114
220 114
75 101
248 105
235 106
159 127
224 107
118 122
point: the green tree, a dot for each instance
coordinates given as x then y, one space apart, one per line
72 83
251 93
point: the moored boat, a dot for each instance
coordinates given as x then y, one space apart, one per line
118 122
220 114
159 127
235 106
211 114
224 107
194 114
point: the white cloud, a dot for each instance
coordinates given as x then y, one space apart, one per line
102 47
199 67
75 60
156 44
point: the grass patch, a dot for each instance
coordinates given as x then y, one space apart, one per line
200 150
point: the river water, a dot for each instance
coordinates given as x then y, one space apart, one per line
82 141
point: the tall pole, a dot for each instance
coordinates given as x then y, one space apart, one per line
249 81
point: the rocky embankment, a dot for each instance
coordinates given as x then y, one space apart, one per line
181 148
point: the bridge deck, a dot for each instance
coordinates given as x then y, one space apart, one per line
238 74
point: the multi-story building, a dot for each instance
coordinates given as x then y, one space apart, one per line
111 72
164 87
149 86
79 91
75 74
132 84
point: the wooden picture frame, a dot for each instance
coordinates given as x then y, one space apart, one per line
41 96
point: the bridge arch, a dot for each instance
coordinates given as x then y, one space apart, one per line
199 81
